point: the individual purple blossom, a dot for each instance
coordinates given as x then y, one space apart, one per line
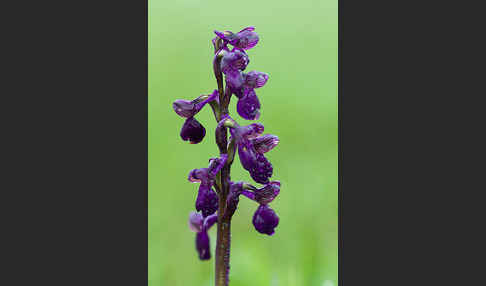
254 162
192 130
207 199
201 225
265 220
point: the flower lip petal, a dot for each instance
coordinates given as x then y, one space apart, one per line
248 106
192 131
207 200
265 220
202 245
261 169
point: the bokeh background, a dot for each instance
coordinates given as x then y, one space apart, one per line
298 48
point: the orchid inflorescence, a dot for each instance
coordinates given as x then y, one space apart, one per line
247 140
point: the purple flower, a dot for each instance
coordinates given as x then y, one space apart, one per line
265 220
248 106
201 226
255 163
264 195
244 39
192 131
265 143
207 199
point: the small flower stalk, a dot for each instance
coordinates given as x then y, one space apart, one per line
217 195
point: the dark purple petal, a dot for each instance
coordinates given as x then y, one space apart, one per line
202 245
236 60
265 143
195 221
248 106
262 169
268 193
255 79
265 220
207 200
193 131
184 108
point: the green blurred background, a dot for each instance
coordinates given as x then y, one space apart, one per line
298 48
